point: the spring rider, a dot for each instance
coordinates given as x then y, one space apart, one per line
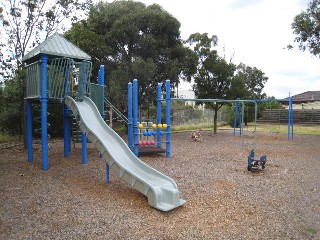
256 163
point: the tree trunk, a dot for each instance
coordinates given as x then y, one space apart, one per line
215 121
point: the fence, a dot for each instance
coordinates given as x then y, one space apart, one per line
196 117
300 116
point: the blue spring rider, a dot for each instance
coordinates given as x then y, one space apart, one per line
256 163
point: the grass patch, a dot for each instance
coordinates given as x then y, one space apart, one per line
311 230
190 127
260 127
8 138
120 128
283 128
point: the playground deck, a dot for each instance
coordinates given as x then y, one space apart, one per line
224 200
149 150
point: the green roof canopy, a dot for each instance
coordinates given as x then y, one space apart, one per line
56 46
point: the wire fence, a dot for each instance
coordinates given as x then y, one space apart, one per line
196 118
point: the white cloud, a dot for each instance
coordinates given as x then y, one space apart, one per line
257 31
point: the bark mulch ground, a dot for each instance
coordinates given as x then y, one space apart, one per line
224 200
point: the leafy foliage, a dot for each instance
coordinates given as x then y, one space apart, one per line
215 78
248 83
306 27
133 41
11 107
213 75
24 23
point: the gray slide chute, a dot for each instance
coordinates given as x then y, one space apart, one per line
162 192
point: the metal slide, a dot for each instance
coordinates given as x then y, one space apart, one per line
162 191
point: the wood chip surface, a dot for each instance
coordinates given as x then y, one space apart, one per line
224 200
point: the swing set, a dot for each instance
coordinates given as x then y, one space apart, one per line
253 162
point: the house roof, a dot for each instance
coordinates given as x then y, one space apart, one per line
309 96
56 46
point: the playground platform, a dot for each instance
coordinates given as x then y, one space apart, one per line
148 150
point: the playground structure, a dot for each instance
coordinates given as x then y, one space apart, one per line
49 79
50 69
239 115
196 135
238 101
146 132
253 162
138 129
256 163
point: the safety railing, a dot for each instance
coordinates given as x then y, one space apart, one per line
58 75
33 86
83 74
119 114
64 76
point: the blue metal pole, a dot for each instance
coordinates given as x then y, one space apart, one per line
107 173
255 125
159 103
69 131
66 131
135 117
99 75
101 83
241 110
291 123
235 119
168 131
44 121
130 124
66 119
289 117
29 131
84 148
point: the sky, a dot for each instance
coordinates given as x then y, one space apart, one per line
256 32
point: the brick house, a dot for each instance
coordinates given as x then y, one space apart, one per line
306 100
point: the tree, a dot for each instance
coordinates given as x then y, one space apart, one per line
10 108
24 23
248 83
133 41
213 75
306 27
